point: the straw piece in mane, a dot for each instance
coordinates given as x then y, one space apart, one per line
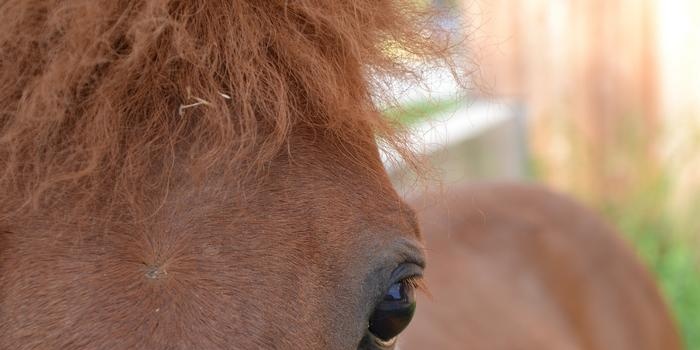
100 98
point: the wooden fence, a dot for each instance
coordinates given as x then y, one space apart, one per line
611 85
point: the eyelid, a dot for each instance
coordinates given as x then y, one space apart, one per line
412 252
406 270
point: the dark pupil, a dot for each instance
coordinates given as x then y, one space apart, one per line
394 313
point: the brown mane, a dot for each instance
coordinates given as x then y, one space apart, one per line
104 96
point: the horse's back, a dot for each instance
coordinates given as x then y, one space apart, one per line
518 267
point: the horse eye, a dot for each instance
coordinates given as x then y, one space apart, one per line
395 311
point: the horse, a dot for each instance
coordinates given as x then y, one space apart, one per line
518 266
191 174
196 174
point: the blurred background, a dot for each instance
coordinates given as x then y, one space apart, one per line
596 98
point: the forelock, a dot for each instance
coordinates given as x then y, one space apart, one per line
100 98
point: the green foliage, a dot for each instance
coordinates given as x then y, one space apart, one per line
678 275
414 112
665 247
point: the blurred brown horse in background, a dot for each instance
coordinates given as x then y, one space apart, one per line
515 266
203 174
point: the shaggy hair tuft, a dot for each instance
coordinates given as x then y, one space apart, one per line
97 96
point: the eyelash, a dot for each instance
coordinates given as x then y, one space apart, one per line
417 283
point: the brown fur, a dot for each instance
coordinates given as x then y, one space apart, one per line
183 174
91 91
518 267
282 265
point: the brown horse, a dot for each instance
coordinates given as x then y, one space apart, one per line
190 174
519 267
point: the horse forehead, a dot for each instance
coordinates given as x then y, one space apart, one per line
335 210
316 198
307 233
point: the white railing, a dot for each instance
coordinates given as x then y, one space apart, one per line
443 130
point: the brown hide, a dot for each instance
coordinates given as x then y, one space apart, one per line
518 267
197 174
